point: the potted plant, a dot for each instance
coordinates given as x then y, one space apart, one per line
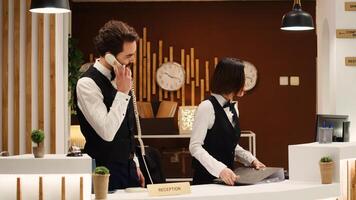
326 169
101 182
37 136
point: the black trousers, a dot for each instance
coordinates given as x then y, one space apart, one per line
122 174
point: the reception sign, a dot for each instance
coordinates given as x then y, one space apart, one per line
346 33
350 61
350 6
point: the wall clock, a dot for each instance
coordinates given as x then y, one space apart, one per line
170 76
250 76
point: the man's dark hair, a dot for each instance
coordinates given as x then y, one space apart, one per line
112 36
228 76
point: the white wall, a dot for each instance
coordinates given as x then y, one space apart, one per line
336 83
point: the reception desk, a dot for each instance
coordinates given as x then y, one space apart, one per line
274 191
53 177
304 164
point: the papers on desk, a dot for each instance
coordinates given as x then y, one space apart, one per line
251 176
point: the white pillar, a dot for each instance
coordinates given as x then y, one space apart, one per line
62 126
336 83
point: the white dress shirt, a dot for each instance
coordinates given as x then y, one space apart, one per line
204 120
91 103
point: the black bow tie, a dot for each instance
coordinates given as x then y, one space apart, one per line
230 104
113 75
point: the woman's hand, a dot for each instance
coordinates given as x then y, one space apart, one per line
257 164
228 176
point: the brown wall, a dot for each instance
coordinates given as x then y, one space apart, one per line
247 30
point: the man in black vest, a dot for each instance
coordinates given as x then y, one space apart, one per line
105 108
216 131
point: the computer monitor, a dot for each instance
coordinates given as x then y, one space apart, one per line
337 122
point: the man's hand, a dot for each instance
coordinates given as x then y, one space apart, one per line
141 178
228 176
123 78
257 164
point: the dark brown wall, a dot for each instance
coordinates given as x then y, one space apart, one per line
247 30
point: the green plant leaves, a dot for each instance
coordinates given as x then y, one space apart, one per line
101 170
37 136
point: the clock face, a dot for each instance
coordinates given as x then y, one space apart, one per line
170 76
250 76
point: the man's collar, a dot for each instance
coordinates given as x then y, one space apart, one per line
105 71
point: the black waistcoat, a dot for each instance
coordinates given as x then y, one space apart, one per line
122 146
220 142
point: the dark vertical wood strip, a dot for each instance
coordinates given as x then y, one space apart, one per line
40 72
16 57
28 77
53 83
5 73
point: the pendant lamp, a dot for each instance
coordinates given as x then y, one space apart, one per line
297 19
49 6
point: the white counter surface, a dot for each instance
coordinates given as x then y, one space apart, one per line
52 168
304 159
274 191
50 164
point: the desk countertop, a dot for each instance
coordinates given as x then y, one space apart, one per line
50 164
276 191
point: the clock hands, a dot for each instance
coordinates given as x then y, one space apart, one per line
171 76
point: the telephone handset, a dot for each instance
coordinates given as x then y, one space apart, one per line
113 62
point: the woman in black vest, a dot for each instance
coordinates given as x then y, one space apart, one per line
216 131
105 108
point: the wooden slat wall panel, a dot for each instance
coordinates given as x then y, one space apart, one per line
53 83
18 187
165 92
202 90
40 72
81 189
1 61
154 69
192 60
21 103
192 95
40 188
63 188
144 41
5 72
182 63
28 78
207 76
140 70
188 69
197 66
160 57
144 78
16 77
171 94
144 63
148 71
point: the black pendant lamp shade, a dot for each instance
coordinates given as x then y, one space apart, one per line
297 19
50 6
